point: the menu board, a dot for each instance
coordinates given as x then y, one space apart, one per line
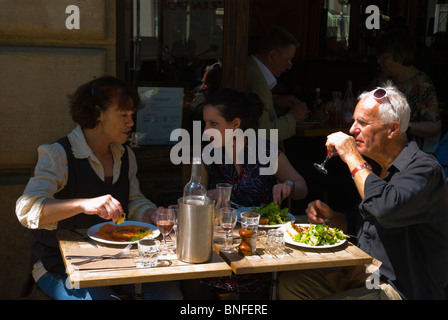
160 115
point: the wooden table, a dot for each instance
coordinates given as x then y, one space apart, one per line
222 264
295 258
169 271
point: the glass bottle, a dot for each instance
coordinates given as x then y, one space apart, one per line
194 191
348 104
336 109
318 107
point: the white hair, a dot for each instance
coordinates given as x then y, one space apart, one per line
397 110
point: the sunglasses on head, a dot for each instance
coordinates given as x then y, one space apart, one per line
380 94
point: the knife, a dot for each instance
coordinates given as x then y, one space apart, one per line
84 238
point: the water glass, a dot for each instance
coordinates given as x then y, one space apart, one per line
148 250
275 242
251 220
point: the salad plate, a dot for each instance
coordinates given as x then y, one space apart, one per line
291 241
249 209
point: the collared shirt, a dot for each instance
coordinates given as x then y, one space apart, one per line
51 174
404 224
268 76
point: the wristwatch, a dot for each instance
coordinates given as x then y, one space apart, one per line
365 165
292 184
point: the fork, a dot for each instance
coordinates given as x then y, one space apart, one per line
104 256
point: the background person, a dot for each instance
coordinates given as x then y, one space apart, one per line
402 219
396 60
230 109
272 55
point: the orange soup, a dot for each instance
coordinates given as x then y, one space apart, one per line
127 233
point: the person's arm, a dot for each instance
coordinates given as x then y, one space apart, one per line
50 176
287 172
405 198
346 149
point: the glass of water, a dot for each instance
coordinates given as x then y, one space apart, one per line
148 250
275 241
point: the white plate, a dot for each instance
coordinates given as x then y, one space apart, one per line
289 240
248 209
94 229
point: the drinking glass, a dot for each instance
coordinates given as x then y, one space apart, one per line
165 222
275 241
227 219
148 250
321 167
175 209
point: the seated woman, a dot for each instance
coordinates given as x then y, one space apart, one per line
83 179
230 109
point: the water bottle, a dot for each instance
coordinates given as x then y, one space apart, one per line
194 191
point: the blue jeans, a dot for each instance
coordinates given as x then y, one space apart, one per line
55 287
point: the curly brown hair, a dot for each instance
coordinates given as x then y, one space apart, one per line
98 95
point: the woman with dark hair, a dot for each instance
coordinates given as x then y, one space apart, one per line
83 179
229 109
396 60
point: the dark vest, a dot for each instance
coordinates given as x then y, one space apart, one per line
82 182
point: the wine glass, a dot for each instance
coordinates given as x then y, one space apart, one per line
321 166
227 219
175 209
165 223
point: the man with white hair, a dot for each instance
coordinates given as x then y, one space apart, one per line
402 220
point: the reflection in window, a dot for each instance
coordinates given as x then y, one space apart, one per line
175 40
338 24
441 17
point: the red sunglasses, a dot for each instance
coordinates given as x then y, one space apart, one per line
380 94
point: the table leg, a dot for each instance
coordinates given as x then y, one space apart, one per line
274 282
138 291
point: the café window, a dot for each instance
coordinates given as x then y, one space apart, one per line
338 24
440 18
173 40
338 21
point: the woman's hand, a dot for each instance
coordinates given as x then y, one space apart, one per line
281 192
106 207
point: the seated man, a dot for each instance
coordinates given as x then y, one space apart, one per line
273 52
402 219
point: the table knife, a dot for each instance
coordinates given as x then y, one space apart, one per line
86 238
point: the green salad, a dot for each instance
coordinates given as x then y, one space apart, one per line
273 213
320 235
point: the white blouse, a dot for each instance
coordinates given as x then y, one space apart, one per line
51 174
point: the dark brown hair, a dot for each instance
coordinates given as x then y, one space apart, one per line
399 44
234 104
100 94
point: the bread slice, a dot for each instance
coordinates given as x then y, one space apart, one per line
293 229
